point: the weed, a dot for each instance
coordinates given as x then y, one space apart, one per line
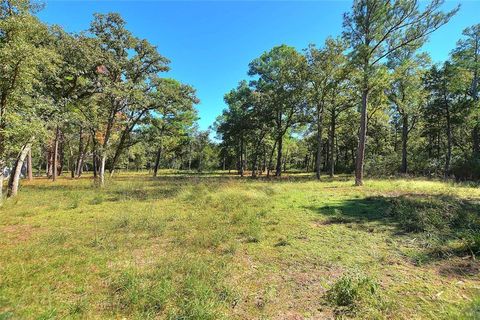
351 291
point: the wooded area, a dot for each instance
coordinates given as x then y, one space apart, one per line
369 100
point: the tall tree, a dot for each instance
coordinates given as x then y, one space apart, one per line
467 55
446 98
375 29
24 53
406 93
126 66
326 73
173 115
282 74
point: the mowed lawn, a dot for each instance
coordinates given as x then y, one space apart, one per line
221 247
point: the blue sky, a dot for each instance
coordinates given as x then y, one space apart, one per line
211 43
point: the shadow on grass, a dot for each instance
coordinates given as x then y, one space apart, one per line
444 225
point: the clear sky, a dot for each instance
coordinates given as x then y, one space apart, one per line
211 43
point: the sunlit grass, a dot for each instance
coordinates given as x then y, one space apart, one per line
214 246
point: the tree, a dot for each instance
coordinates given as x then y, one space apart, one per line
326 74
467 56
235 122
126 71
446 99
23 55
406 92
281 75
173 115
375 29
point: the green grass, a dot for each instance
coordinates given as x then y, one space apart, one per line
219 247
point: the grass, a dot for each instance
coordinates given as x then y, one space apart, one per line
218 247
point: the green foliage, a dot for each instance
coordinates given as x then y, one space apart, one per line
351 291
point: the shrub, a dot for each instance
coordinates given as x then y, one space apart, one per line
424 214
466 169
471 241
351 291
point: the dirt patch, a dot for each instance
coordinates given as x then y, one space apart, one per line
459 268
18 233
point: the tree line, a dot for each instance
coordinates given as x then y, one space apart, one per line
370 100
91 100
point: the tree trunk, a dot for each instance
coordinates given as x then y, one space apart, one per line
190 156
270 160
101 171
81 160
264 164
2 177
49 165
55 156
362 137
332 143
404 143
278 169
157 160
240 160
14 179
29 165
318 159
80 153
449 144
60 153
254 164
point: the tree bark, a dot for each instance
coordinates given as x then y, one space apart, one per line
240 160
254 164
101 171
14 179
81 160
270 160
362 136
332 143
29 165
60 152
449 142
2 177
55 156
278 169
157 160
94 155
80 153
404 143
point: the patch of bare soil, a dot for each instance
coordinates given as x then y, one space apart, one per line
459 268
18 233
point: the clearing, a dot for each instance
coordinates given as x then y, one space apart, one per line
219 247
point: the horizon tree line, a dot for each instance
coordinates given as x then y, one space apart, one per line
96 100
422 118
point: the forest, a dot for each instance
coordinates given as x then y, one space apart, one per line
340 180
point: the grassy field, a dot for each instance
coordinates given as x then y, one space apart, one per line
220 247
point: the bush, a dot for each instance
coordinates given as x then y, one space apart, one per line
424 214
441 220
351 291
466 169
382 166
471 241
